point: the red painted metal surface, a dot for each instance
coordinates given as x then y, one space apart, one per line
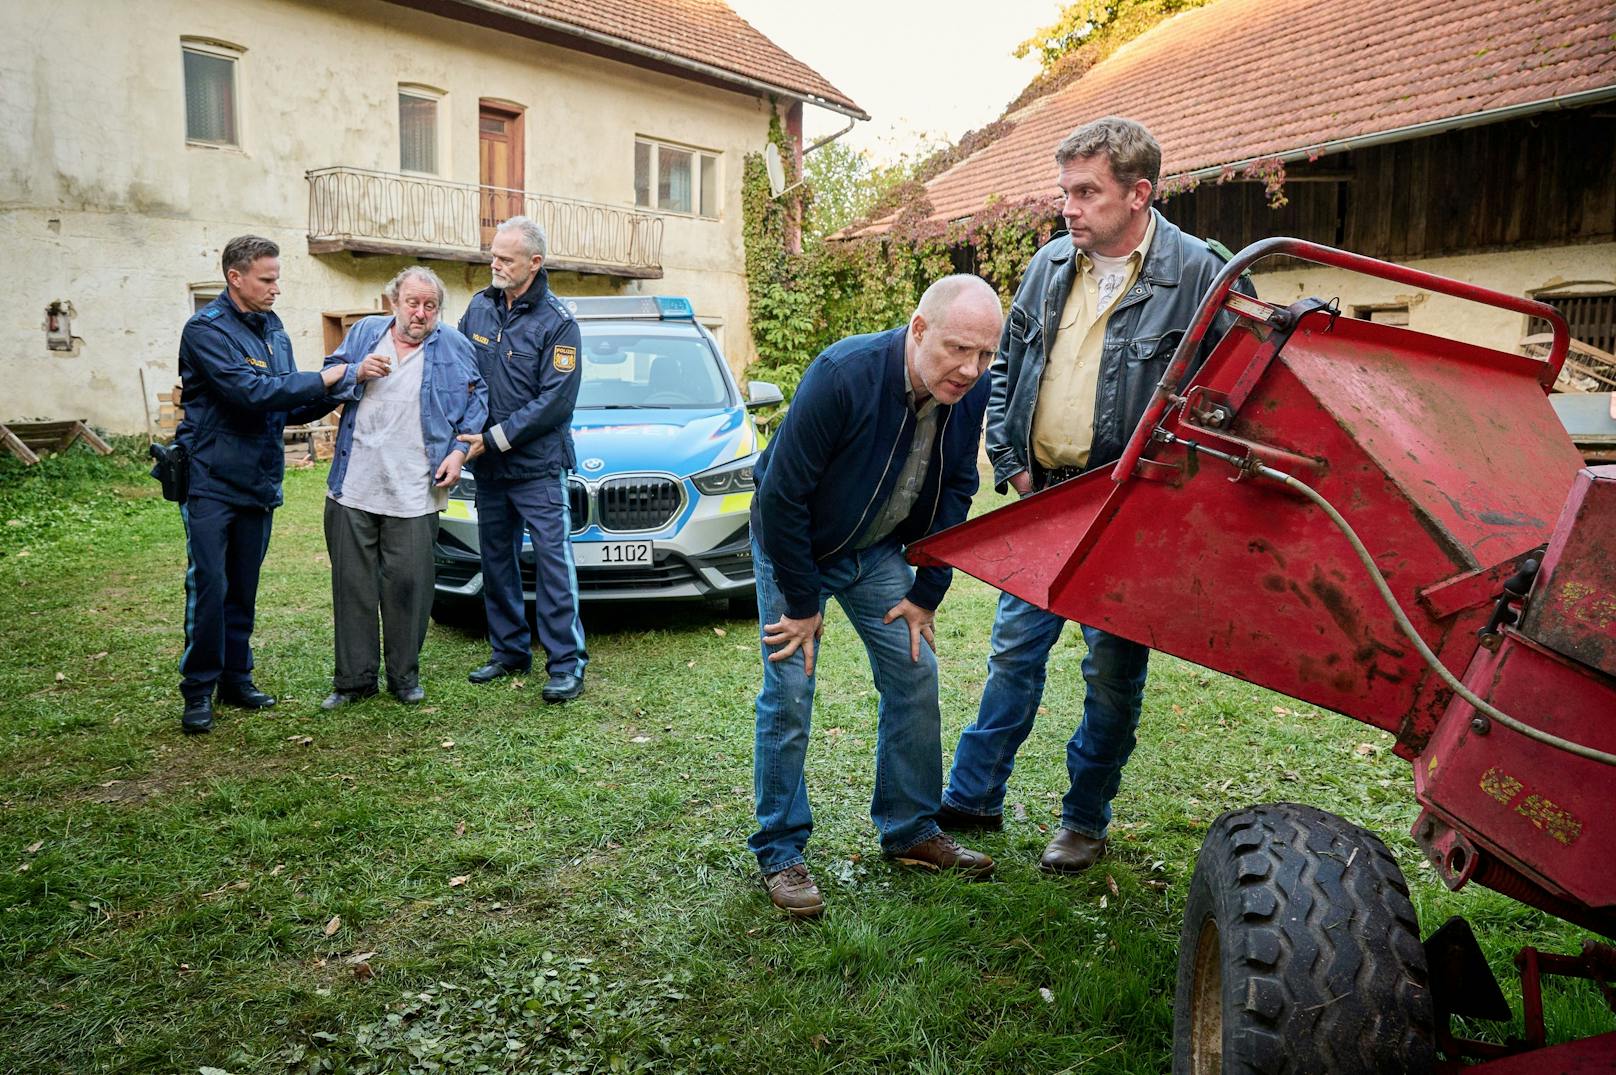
1451 466
1590 1056
1573 608
1446 458
1188 347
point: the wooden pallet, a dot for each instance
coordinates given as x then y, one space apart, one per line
26 440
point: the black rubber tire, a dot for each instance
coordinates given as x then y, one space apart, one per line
1300 953
459 613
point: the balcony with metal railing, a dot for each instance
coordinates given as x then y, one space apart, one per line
359 211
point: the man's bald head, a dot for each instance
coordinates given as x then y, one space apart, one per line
963 291
953 336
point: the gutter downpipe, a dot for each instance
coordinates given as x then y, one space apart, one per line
1417 130
569 30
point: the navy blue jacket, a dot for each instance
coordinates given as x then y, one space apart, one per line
528 355
241 388
836 459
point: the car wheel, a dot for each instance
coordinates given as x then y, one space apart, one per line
459 612
1300 952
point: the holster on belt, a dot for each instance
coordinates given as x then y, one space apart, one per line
173 469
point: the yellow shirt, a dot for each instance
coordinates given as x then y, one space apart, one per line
1063 420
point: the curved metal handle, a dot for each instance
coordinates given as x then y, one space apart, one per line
1212 302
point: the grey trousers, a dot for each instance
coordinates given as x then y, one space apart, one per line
386 562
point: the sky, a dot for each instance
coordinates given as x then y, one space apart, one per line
934 69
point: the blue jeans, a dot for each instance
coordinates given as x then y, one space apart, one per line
1114 680
908 739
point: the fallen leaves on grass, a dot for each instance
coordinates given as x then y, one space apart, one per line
460 827
33 848
447 744
456 882
1111 883
301 740
720 632
333 925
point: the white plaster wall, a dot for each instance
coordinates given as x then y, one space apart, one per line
103 205
1522 272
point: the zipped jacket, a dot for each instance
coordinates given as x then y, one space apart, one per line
528 355
836 459
241 388
1141 335
454 399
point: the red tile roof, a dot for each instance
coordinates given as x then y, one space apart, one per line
1244 80
696 34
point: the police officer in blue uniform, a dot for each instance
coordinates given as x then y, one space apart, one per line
527 348
240 388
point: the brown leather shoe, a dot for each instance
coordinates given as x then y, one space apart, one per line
794 892
952 820
1070 852
942 853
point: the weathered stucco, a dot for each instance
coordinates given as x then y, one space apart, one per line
1520 272
104 205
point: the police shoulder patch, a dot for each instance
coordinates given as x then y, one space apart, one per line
564 358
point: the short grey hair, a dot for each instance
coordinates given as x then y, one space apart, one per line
418 272
946 291
532 234
243 250
1131 150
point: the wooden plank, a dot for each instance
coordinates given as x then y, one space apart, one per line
17 448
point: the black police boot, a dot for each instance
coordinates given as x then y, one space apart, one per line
245 696
494 670
198 717
563 687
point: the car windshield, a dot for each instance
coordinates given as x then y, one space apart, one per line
626 365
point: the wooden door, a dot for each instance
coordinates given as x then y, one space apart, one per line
500 155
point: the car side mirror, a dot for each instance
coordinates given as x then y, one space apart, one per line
762 394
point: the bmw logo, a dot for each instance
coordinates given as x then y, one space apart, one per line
594 464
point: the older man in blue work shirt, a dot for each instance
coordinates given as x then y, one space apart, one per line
527 348
240 387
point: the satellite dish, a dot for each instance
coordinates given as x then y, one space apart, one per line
776 169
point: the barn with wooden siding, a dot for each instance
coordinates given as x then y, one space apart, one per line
1472 139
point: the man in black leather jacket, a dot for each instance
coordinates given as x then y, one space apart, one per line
1098 315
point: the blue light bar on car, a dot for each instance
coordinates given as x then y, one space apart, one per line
620 307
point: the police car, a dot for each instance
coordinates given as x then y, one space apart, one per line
663 489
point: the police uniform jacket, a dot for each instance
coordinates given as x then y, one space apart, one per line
528 355
240 388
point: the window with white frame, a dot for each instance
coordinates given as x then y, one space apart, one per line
417 130
210 94
675 179
202 294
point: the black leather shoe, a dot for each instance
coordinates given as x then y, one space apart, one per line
494 670
952 820
1071 852
198 717
245 696
563 687
338 699
410 695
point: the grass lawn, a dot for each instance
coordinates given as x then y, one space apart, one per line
486 880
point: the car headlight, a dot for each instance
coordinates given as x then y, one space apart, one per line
734 477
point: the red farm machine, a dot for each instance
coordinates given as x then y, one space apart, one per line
1397 528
